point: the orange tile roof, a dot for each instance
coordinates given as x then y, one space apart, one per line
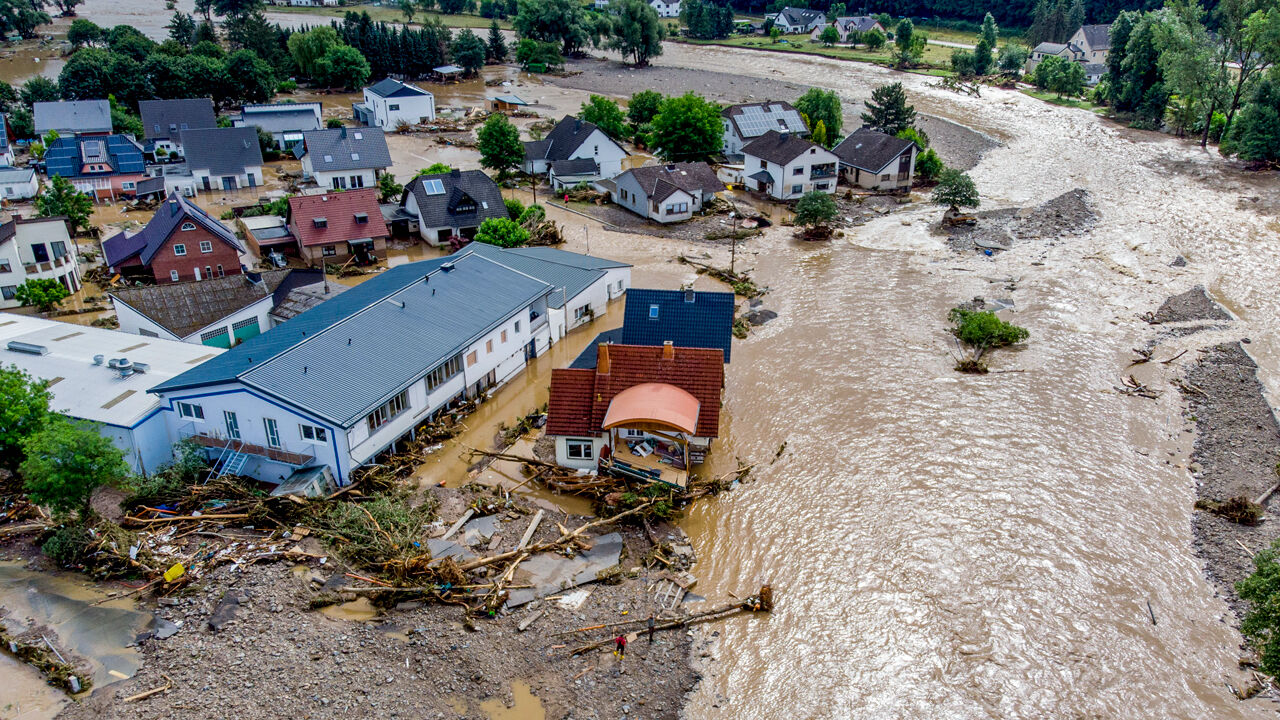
339 210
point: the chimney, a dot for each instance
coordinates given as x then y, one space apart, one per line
689 295
602 359
455 172
668 351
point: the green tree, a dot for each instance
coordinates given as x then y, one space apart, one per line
984 330
208 49
986 45
23 17
562 21
39 89
181 27
1250 35
1012 57
452 7
87 75
644 106
61 199
822 106
67 7
929 166
1060 75
915 135
23 412
515 208
407 8
819 134
962 63
905 39
65 462
687 128
1261 624
1138 88
84 32
1191 62
124 122
529 52
829 36
252 79
309 48
235 8
606 115
815 208
1255 135
435 169
888 111
128 40
874 40
502 232
955 190
496 49
499 145
43 294
837 10
775 34
204 31
343 66
637 32
468 51
388 189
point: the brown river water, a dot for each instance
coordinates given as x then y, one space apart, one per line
948 546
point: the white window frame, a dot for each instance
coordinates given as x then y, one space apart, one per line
313 434
579 449
180 249
233 424
206 246
173 276
188 226
190 411
272 430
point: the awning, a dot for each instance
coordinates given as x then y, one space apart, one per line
448 69
656 403
762 176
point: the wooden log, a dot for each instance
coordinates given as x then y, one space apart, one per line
178 518
461 521
766 603
553 544
528 533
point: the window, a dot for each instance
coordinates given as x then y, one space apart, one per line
233 424
362 218
797 189
517 327
798 171
820 186
7 291
437 377
357 181
173 275
208 271
220 273
579 449
40 252
488 346
128 186
147 333
504 336
472 359
389 410
206 246
190 411
5 266
582 312
761 164
885 176
675 208
273 432
393 108
311 433
215 337
188 226
59 249
653 312
329 250
179 249
595 149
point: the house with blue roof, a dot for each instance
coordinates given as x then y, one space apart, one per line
103 166
685 318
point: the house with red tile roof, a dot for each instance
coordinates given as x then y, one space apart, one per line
337 227
644 412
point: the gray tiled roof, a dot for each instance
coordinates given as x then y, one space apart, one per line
347 149
222 151
16 175
1098 36
282 117
660 181
438 210
777 147
860 23
73 115
576 166
147 242
563 140
390 87
870 150
164 119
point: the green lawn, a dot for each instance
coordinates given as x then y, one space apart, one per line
934 55
1065 102
388 13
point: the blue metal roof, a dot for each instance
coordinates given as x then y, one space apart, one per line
347 355
687 318
67 156
566 281
590 354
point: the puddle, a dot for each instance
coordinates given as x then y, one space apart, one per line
25 695
526 705
358 610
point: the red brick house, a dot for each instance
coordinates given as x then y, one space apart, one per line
181 242
339 226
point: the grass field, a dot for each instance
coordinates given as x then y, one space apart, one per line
392 14
936 56
1065 102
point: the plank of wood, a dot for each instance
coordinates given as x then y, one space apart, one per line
528 533
525 623
461 521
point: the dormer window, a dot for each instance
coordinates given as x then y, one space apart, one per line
320 222
653 312
362 218
355 156
328 158
188 226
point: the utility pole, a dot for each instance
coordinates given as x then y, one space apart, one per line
733 242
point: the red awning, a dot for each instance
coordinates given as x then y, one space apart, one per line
656 403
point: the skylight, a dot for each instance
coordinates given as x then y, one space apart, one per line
433 187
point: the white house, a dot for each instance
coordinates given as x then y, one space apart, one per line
345 158
221 159
6 143
18 183
574 139
388 103
666 8
748 121
786 167
286 121
667 193
35 248
102 376
847 26
876 160
446 205
792 21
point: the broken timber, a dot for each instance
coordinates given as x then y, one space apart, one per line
760 602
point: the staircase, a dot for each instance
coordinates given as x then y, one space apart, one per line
233 464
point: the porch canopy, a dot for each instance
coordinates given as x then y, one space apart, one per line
657 403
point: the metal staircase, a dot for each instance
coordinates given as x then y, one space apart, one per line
230 461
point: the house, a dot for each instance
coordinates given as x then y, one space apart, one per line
1093 73
340 383
218 312
666 8
846 26
35 249
1092 42
446 205
101 376
265 234
390 103
103 166
573 139
164 120
877 161
746 122
786 167
223 159
284 121
667 193
72 117
582 286
1047 49
644 412
566 174
18 183
601 4
7 138
338 227
344 158
686 318
792 21
507 104
180 242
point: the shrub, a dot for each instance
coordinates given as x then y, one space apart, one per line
515 208
982 329
287 86
1261 623
532 215
815 208
502 232
68 545
929 166
333 123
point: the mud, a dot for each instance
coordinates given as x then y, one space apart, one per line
1194 304
1066 216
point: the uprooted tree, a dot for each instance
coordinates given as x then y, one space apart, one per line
981 330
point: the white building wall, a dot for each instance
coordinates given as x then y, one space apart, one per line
351 179
617 281
604 151
562 451
20 190
413 110
251 177
134 322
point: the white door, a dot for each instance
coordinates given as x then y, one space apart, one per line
197 273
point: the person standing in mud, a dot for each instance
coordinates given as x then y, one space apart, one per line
649 623
620 646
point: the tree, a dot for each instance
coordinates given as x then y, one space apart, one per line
1060 75
1250 33
61 198
819 134
775 34
452 7
407 8
235 8
707 20
562 21
962 63
208 49
502 232
38 89
65 462
915 135
496 49
987 44
181 27
8 97
822 106
929 166
310 47
87 75
468 51
515 208
21 121
983 330
687 128
84 32
1012 57
499 144
1261 624
43 294
343 66
644 106
388 189
955 190
874 40
127 40
829 36
606 115
124 122
67 8
435 168
1255 135
837 10
529 52
252 79
815 208
1137 85
1191 63
888 111
637 32
23 412
22 17
204 31
905 40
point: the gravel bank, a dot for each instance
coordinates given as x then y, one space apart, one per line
1194 304
1235 453
1070 214
957 145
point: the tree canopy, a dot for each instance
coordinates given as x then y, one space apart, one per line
43 294
23 412
499 145
815 208
636 31
61 198
644 106
66 461
606 115
822 106
888 111
468 51
502 232
562 21
955 189
687 128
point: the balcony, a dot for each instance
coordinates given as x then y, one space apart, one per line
820 172
536 321
42 267
280 455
